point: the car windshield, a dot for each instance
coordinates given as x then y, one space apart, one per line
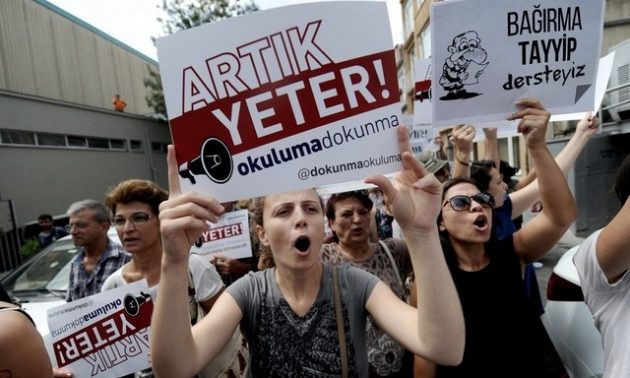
49 270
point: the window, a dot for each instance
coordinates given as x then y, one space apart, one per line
159 147
425 37
516 153
135 145
17 137
409 18
98 143
62 140
45 139
409 80
117 144
76 141
509 150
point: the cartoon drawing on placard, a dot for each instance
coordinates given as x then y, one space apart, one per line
423 87
464 66
214 160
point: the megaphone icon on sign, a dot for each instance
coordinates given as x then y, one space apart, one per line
132 303
214 161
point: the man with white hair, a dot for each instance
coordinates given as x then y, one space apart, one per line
97 256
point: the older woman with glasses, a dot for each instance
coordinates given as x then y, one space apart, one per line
134 205
349 217
504 335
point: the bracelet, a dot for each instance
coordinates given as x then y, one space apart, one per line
469 164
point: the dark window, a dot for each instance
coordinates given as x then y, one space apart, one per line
117 144
17 137
159 147
98 143
135 145
45 139
61 140
76 141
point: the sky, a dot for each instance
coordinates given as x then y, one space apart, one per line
134 22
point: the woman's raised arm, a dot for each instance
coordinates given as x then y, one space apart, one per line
174 350
559 209
414 197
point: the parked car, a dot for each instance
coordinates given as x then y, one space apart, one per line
41 282
569 322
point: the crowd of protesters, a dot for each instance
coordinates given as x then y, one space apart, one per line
426 275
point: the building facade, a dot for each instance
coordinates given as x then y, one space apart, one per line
594 171
60 139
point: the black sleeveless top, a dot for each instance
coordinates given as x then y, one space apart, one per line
504 337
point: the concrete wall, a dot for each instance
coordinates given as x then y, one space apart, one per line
47 179
616 23
592 178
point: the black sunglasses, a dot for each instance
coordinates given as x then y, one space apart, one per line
462 202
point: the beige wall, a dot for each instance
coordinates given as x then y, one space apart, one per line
616 23
49 54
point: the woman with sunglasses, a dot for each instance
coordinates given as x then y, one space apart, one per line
299 320
504 336
511 205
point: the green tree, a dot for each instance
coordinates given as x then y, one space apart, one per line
186 14
155 95
29 248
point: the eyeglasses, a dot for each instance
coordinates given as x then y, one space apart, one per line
135 219
78 225
463 203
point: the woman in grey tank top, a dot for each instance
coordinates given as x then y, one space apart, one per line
292 225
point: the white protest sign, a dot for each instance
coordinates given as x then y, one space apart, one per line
422 132
327 190
103 335
505 129
288 98
603 75
229 237
490 53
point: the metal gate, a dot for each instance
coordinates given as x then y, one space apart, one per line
9 237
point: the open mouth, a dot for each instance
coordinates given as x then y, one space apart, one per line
357 230
302 243
481 221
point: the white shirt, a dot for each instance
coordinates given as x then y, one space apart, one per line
206 279
610 306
